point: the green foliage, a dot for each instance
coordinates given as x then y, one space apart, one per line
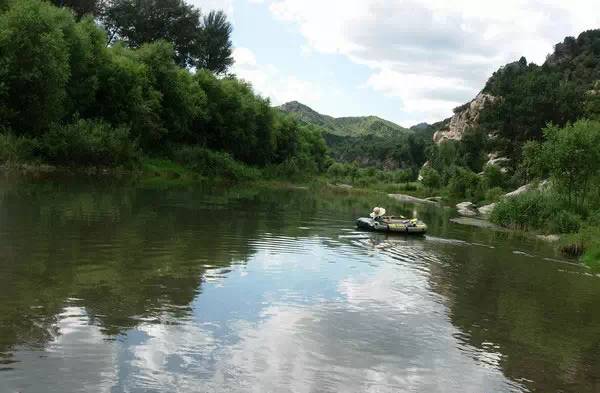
165 173
563 221
531 96
532 163
572 157
57 72
182 104
81 7
197 42
467 153
125 96
403 176
87 54
14 149
34 66
431 178
465 184
238 119
536 211
493 177
214 46
87 142
493 194
214 164
344 126
529 210
403 150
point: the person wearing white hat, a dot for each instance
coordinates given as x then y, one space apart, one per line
377 213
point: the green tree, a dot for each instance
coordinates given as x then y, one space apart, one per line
126 96
81 7
142 21
34 65
572 156
197 41
431 178
182 105
493 177
403 176
214 45
532 162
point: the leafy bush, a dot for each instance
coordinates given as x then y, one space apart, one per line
465 184
493 177
15 149
88 142
431 178
563 222
493 194
214 164
35 65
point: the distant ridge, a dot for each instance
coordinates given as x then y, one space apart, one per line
344 126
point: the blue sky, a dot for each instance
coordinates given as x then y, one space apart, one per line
404 60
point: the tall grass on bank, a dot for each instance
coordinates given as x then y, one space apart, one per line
535 211
15 150
214 164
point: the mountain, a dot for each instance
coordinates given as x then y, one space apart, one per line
344 126
521 98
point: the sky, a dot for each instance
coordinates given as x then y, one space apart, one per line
407 61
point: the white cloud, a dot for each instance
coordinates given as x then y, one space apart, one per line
268 81
435 54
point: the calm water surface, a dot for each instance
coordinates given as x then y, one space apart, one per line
115 288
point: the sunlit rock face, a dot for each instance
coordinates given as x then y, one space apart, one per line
463 119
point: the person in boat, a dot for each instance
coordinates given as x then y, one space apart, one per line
377 214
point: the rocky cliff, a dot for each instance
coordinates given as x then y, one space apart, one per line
464 117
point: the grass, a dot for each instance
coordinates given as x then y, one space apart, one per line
165 173
215 165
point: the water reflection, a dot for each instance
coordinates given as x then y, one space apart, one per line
109 287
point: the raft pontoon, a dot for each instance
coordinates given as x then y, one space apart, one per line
392 224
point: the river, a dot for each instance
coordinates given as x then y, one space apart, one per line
110 287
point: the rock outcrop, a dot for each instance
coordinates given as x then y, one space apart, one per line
464 117
486 211
411 199
466 209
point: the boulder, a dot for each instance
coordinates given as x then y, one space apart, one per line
466 209
542 186
486 210
500 161
518 191
549 238
475 222
410 199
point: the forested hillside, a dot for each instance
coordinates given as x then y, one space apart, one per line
344 126
367 141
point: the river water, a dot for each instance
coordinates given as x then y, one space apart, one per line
109 287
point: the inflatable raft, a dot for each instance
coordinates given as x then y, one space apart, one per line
392 224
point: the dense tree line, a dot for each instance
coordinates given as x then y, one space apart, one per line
60 83
403 151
